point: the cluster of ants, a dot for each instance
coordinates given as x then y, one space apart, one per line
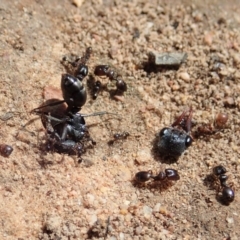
173 141
68 133
228 194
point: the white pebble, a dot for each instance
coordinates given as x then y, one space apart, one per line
121 236
184 76
147 210
157 207
230 220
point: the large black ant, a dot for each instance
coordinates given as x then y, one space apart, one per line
174 140
66 133
69 134
106 70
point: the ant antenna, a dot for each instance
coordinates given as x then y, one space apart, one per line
98 114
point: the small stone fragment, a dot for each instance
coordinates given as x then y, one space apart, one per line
208 38
229 101
184 76
157 207
167 59
77 3
53 223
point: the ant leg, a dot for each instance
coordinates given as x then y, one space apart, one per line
35 110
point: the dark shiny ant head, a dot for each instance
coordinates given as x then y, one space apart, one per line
102 70
121 85
5 150
174 140
81 68
219 170
228 195
82 72
172 174
143 176
74 92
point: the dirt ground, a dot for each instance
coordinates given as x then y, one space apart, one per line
46 195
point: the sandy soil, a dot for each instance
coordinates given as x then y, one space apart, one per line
46 195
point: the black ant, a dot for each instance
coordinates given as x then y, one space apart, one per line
174 140
169 174
66 133
119 136
106 70
5 150
227 192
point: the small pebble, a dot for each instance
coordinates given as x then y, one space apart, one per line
147 211
157 207
229 101
208 38
77 3
184 76
230 220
